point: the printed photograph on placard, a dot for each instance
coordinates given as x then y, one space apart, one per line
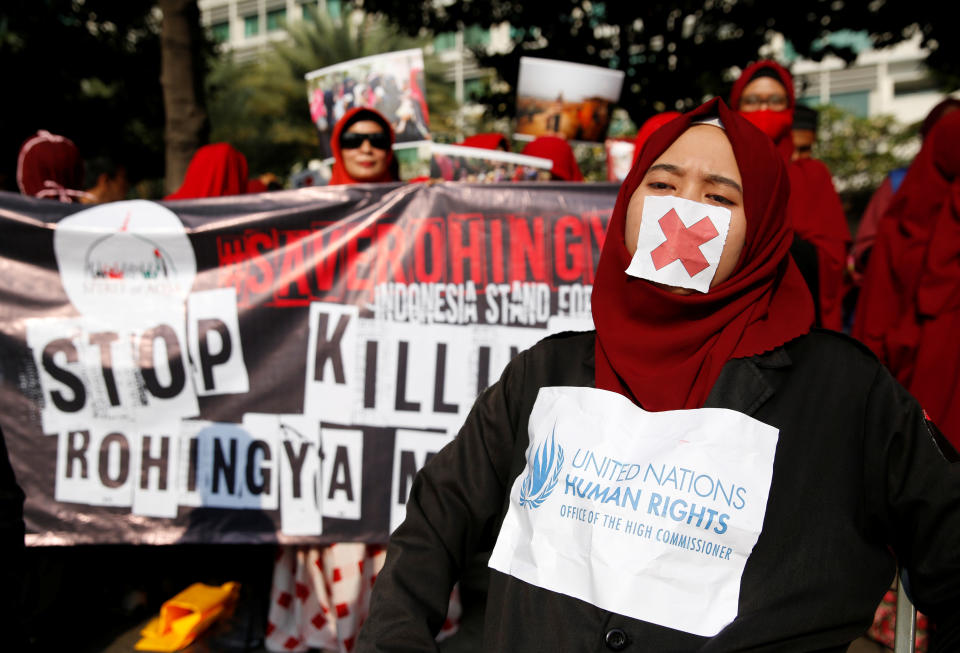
391 83
565 99
470 164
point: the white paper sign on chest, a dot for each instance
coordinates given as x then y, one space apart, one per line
680 242
649 515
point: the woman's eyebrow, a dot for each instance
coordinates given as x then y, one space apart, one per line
726 181
667 167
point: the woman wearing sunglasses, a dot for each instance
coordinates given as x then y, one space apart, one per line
332 583
362 143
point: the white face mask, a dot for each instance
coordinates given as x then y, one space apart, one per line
680 242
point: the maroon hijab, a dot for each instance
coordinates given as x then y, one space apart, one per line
50 166
665 351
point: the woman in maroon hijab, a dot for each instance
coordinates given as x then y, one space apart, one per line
561 469
764 95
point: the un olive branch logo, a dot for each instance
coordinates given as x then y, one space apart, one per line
544 473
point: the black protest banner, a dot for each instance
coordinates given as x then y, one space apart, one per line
270 367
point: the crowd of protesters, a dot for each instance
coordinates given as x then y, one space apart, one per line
904 263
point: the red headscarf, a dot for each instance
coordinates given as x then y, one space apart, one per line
908 263
215 170
559 151
651 125
941 109
487 141
339 174
814 207
50 166
775 124
664 350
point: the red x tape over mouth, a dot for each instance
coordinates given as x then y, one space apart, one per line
683 243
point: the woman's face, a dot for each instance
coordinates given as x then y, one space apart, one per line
366 159
699 166
763 93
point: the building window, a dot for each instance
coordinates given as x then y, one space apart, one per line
308 11
220 32
445 41
476 37
276 20
857 102
334 8
251 25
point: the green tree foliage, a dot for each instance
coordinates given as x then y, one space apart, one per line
860 152
86 69
261 107
675 53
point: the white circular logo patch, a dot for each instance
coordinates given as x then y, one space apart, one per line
125 262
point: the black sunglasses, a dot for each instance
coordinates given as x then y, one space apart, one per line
353 140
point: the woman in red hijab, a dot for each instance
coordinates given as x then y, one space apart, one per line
595 469
332 582
764 95
50 166
214 171
362 143
558 150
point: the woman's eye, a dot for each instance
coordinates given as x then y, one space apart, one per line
721 199
658 185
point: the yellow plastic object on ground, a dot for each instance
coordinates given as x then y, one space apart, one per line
185 616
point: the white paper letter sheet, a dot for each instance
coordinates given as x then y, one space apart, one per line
649 515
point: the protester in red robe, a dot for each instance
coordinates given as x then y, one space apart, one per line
883 196
50 166
362 143
936 375
907 313
764 95
558 150
214 171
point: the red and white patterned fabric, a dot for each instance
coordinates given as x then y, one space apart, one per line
321 596
884 625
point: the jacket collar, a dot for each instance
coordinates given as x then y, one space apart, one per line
745 383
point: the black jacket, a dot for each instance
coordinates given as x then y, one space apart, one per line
859 485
